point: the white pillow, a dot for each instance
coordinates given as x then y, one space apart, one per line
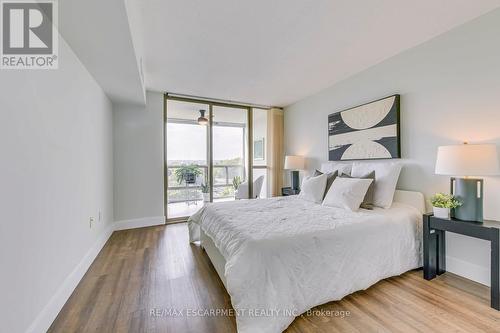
329 167
347 193
313 188
386 178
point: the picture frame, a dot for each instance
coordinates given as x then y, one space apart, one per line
368 131
259 149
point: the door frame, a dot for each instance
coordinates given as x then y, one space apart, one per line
211 104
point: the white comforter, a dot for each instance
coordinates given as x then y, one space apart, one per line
285 255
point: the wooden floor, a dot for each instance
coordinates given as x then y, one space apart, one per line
156 269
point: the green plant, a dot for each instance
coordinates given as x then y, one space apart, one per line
442 200
182 172
205 188
236 182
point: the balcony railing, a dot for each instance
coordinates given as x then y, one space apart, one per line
223 183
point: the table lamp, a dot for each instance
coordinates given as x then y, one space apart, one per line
294 163
464 161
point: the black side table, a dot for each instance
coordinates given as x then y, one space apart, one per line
285 191
435 247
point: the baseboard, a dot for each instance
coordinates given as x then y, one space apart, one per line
468 270
140 223
55 304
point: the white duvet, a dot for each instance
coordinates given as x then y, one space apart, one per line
285 255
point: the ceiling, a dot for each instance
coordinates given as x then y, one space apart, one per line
99 32
278 52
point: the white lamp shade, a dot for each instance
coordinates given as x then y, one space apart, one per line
467 160
294 162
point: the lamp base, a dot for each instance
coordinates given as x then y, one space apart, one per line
470 193
295 180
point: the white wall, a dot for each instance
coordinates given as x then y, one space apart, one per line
138 162
449 90
55 172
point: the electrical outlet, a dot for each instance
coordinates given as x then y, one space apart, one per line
91 222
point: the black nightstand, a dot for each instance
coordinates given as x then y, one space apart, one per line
285 191
435 247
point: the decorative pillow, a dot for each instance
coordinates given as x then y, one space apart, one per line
347 193
313 188
329 167
386 178
329 180
368 199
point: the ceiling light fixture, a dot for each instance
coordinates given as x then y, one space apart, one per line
202 120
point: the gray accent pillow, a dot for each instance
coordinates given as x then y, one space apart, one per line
368 200
329 180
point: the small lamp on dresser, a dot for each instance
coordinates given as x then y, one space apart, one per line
464 161
294 163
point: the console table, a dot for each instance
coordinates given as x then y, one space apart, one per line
435 247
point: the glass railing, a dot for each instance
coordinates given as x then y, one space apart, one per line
191 191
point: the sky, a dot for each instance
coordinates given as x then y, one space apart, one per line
188 142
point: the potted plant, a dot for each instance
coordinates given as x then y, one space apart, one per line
442 203
183 172
205 190
236 182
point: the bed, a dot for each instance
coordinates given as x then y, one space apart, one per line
281 256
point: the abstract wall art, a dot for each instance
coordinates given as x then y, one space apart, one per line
366 132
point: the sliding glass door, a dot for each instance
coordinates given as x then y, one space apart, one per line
260 151
208 157
186 157
230 153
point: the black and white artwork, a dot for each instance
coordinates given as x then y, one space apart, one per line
365 132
